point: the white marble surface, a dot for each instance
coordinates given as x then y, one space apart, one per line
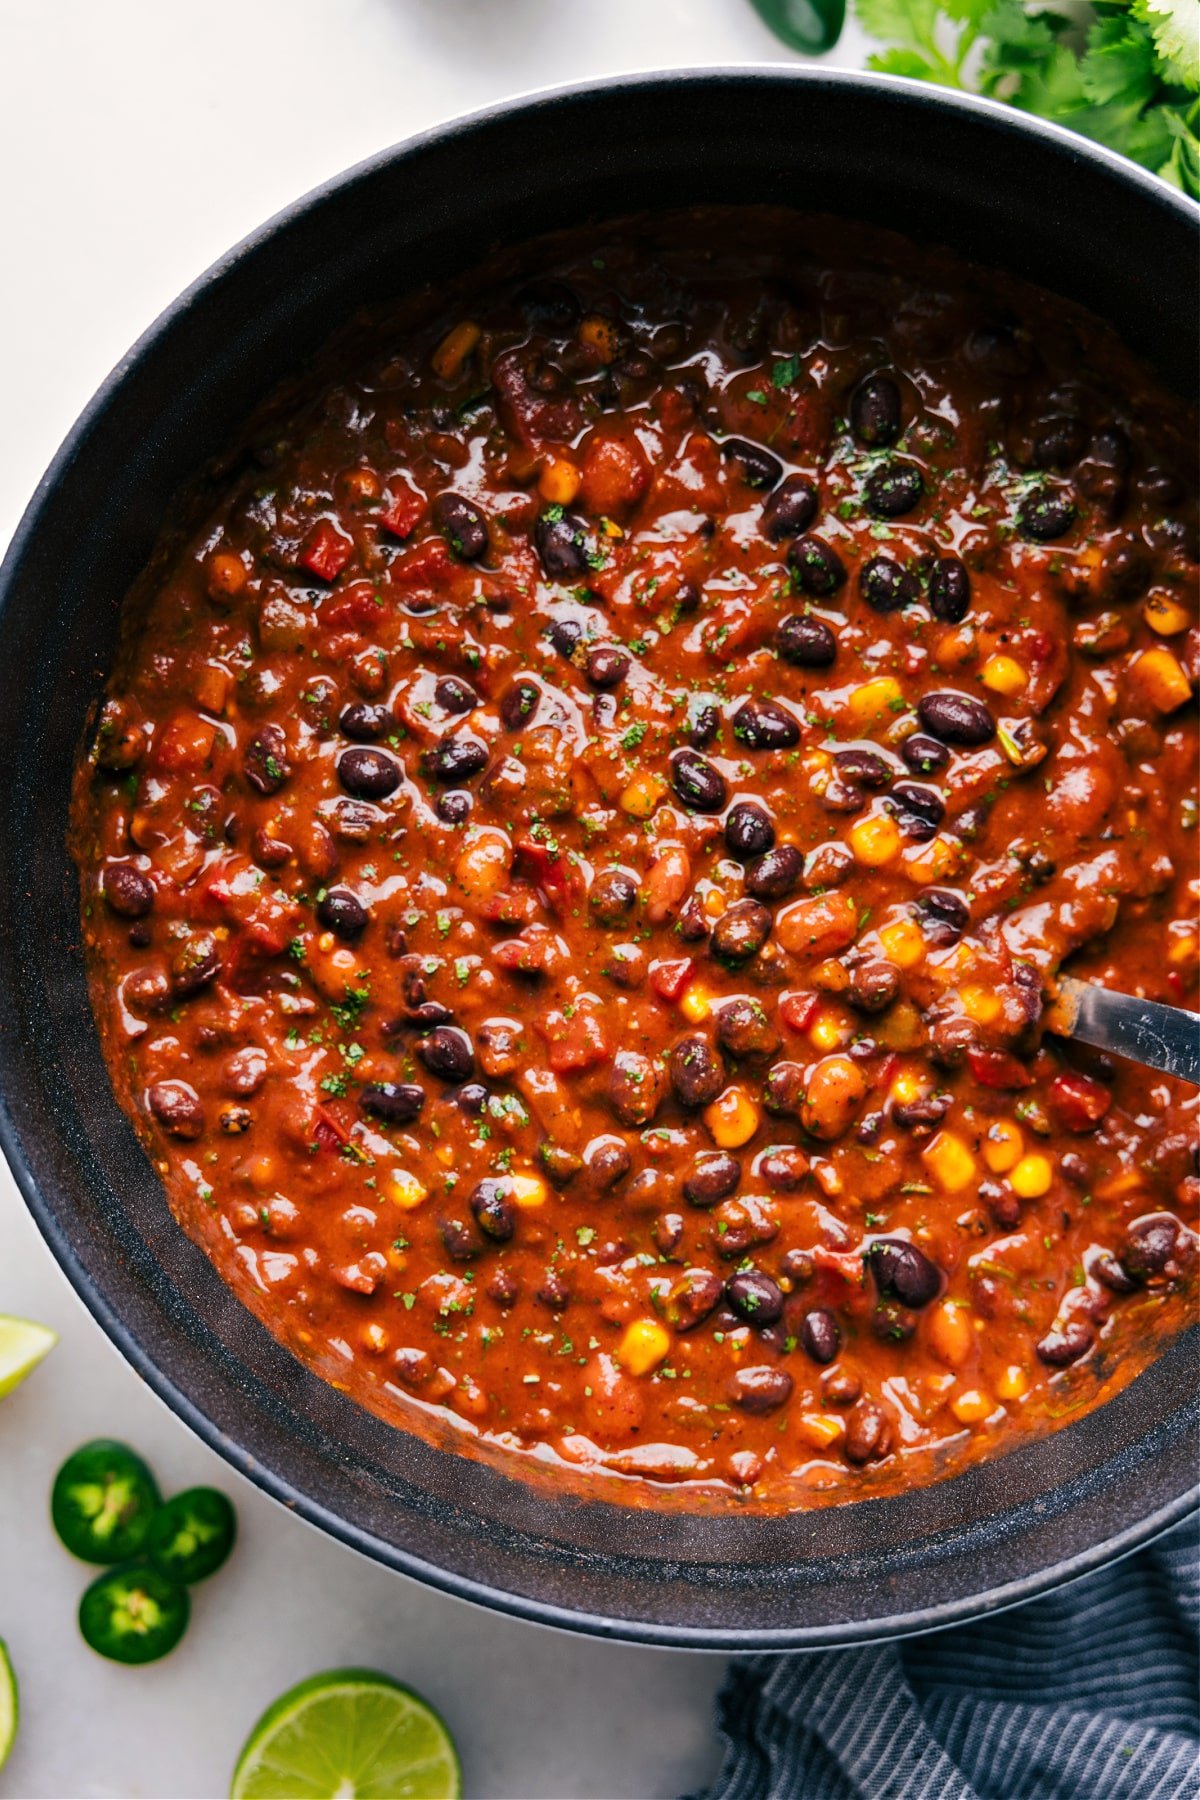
138 139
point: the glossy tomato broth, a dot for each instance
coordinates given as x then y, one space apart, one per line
583 834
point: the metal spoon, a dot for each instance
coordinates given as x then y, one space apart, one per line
1158 1037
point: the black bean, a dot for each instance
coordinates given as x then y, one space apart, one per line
471 1099
454 695
453 808
368 774
696 1070
1045 514
519 703
1103 474
462 525
875 412
920 810
894 488
447 1052
755 1297
740 932
944 915
696 1294
950 590
265 764
562 545
613 896
606 1161
1060 442
761 725
757 467
694 779
1112 1273
1066 1343
494 1209
343 913
761 1390
949 1041
904 1273
748 831
127 891
744 1028
461 1239
553 1292
1001 351
714 1176
865 767
931 1109
177 1108
886 586
550 304
396 1102
703 722
566 635
196 962
956 718
636 1087
805 643
820 1334
874 984
790 510
364 722
924 755
776 873
817 567
607 666
1149 1245
455 760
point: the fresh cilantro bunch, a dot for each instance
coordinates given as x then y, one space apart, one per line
1126 74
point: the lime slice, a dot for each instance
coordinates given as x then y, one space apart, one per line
9 1709
22 1347
348 1735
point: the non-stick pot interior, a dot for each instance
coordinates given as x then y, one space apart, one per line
1004 193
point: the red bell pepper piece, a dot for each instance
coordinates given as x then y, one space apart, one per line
797 1011
555 872
405 507
576 1040
1076 1102
670 979
325 552
997 1069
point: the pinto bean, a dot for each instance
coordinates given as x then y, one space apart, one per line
836 1089
818 928
694 1296
667 882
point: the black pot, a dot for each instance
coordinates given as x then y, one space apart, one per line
1006 190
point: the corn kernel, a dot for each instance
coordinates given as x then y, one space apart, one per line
529 1190
559 481
831 976
642 795
972 1406
872 702
454 349
875 841
820 1429
949 1162
1165 616
601 335
262 1173
1032 1177
1161 680
1004 675
374 1339
934 861
610 529
695 1005
1012 1383
407 1191
732 1119
950 1334
981 1004
954 648
715 903
644 1345
1003 1146
1183 951
907 1088
903 944
1116 1187
829 1031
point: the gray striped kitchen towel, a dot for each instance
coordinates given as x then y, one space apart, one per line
1088 1694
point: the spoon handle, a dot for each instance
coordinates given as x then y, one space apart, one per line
1158 1037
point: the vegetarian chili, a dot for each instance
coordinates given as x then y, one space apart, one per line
582 836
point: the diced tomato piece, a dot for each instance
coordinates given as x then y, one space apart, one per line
576 1039
526 412
555 872
846 1263
512 906
1077 1103
797 1011
997 1069
427 565
325 551
615 475
405 507
526 954
329 1130
185 744
356 608
669 979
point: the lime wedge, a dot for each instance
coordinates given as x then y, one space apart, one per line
22 1347
9 1709
348 1735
